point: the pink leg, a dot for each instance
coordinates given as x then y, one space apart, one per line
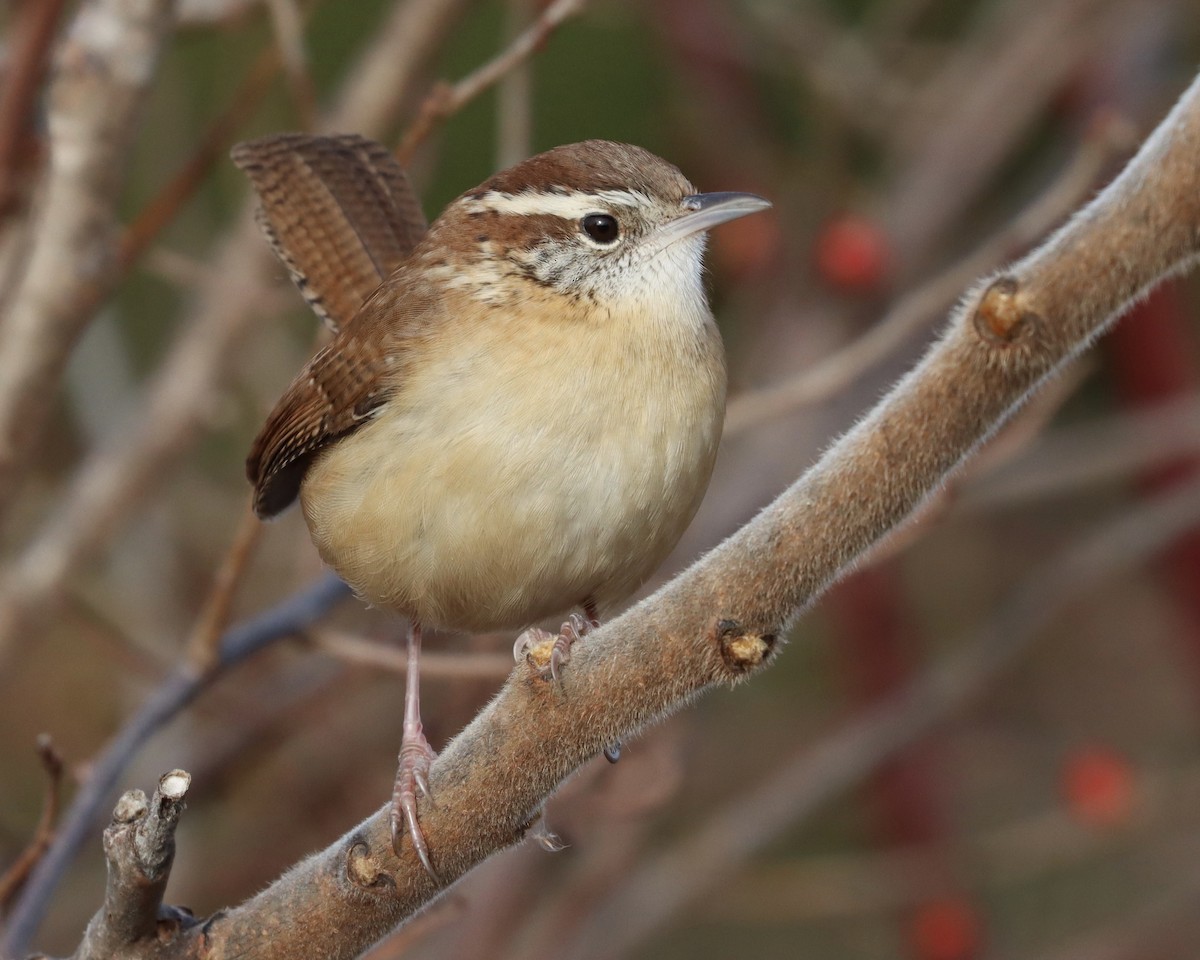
416 756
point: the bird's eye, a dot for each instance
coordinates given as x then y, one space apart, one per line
601 227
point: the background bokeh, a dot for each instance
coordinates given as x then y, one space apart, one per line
1051 810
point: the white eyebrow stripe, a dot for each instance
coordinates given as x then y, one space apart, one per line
570 206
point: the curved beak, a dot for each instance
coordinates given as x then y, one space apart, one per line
703 211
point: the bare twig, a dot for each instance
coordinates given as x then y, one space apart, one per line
20 868
446 99
450 666
103 75
288 22
204 645
1109 135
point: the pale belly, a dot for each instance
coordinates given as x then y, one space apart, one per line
510 507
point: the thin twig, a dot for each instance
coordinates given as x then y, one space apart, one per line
447 99
203 646
14 877
434 664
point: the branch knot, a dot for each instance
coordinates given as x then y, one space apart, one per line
742 651
1002 316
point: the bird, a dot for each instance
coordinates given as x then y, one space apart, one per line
520 407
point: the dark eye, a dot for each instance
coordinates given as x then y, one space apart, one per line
601 227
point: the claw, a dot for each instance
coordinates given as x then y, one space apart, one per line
568 635
413 775
559 656
612 753
572 630
416 757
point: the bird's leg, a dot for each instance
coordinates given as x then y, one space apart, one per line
416 755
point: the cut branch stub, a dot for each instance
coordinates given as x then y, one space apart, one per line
139 844
1002 316
742 651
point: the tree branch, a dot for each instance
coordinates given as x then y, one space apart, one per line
43 834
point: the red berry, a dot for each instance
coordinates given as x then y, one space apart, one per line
852 254
946 929
1098 786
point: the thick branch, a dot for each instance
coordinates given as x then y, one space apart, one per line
717 622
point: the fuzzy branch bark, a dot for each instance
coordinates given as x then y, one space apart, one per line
718 621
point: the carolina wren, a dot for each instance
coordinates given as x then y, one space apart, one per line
519 410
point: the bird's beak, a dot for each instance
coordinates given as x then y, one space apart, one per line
703 211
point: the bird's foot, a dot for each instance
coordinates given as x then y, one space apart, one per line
412 775
550 653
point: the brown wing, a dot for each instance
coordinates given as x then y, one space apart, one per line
336 391
338 211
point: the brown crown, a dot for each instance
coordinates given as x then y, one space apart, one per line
592 165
